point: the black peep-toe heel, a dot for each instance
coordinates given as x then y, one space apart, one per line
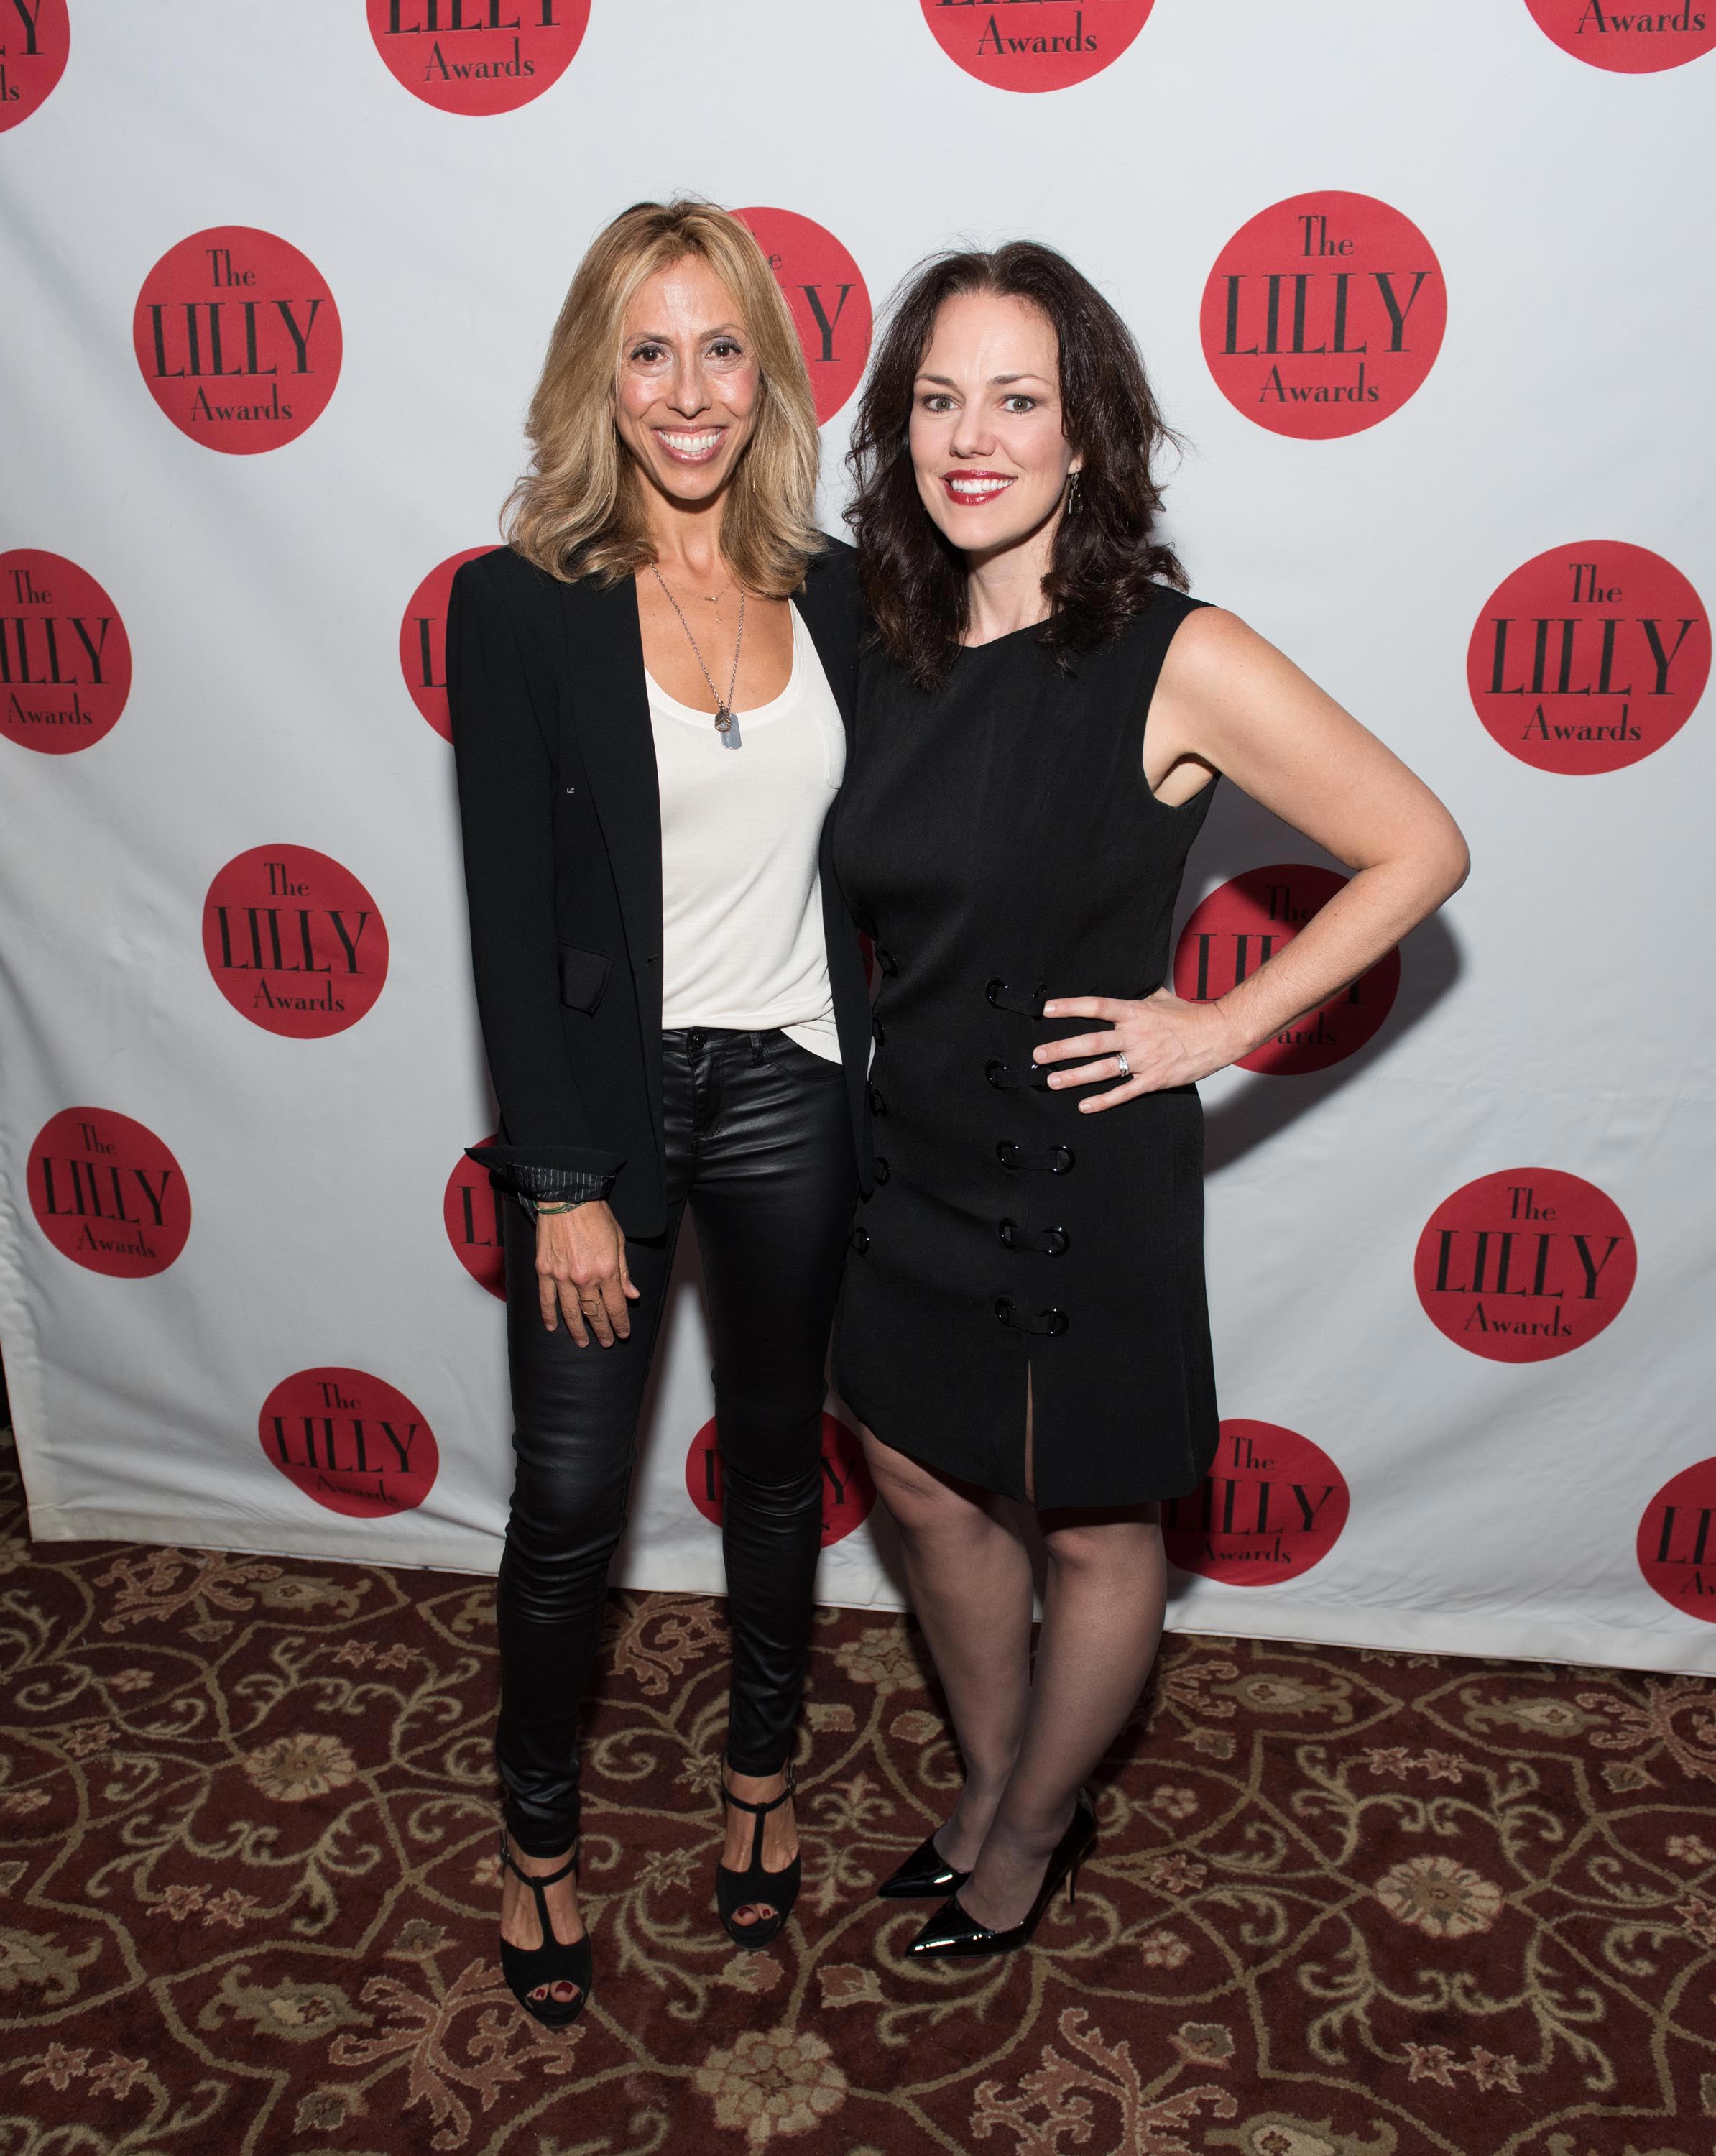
925 1875
733 1890
952 1933
537 1968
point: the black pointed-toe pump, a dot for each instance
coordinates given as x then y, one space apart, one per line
925 1875
734 1890
951 1932
528 1969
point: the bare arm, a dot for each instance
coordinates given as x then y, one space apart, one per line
1229 700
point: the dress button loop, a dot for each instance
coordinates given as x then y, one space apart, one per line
876 1033
1050 1160
1045 1242
861 1240
1049 1324
881 1170
885 959
878 1106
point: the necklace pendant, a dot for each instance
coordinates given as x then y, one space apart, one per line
726 724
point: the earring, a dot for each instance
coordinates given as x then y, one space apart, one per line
1074 501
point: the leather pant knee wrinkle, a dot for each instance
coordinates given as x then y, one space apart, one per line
758 1146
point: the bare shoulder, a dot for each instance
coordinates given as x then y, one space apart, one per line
1220 679
1214 654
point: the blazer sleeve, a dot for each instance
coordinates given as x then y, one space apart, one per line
504 717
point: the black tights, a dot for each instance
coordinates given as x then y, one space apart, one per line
758 1143
1029 1736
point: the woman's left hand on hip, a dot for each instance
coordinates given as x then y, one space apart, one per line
1148 1046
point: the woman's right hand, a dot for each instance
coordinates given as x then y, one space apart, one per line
581 1273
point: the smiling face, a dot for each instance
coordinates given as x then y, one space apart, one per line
688 385
985 437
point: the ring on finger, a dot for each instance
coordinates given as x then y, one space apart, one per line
1121 1064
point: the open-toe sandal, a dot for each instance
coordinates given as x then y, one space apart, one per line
529 1969
735 1890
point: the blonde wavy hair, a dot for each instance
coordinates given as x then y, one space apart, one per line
579 510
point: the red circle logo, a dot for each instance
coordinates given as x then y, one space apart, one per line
1245 921
65 661
238 339
108 1194
1035 44
471 1209
847 1491
827 297
477 57
35 37
1608 34
1677 1540
423 640
1323 314
350 1441
1524 1265
294 942
1588 657
1271 1506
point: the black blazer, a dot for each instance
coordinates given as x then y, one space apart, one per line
562 818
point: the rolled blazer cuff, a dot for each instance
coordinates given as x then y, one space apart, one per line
552 1174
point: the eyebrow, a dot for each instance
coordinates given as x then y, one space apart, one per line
662 336
995 381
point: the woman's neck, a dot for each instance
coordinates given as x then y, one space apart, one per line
1004 591
686 541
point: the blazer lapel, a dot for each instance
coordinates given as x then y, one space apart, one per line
835 651
608 708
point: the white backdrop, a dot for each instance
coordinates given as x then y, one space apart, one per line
1551 1032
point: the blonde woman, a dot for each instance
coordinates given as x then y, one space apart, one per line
651 690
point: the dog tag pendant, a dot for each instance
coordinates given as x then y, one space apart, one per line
726 724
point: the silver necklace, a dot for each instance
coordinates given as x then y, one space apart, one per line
727 724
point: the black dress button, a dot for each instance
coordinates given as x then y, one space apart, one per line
1011 1077
878 1106
875 1032
1002 995
881 1172
861 1240
885 959
1046 1242
1049 1324
1047 1160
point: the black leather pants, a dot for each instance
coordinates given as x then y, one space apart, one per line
759 1143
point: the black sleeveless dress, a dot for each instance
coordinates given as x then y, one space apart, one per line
999 841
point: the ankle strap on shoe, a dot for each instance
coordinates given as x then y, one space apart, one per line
774 1804
536 1878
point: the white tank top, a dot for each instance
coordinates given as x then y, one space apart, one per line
742 942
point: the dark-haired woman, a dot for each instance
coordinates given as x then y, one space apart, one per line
1023 1325
649 689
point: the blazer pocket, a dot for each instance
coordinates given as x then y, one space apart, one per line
583 975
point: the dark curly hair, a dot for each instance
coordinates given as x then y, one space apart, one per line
1105 559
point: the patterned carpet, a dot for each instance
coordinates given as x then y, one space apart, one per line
1344 1903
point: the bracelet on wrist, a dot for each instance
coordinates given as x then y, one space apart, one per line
569 1205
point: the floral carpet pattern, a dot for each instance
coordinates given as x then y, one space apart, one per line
1344 1903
